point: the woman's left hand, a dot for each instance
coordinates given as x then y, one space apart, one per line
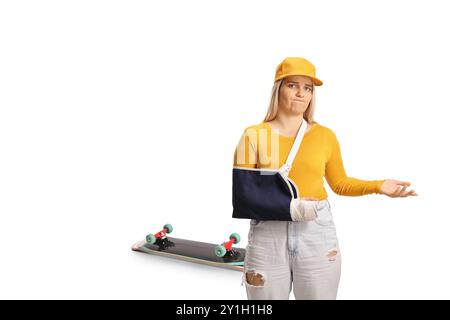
395 188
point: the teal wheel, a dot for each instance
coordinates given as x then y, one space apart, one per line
150 239
220 251
235 236
168 227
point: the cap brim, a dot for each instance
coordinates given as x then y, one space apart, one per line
316 81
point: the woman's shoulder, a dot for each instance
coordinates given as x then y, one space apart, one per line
254 130
324 129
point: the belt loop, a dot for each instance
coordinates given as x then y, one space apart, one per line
329 205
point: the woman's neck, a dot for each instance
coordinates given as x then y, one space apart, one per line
288 124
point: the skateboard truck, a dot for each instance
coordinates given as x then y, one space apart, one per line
226 247
159 237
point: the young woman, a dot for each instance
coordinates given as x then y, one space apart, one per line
303 255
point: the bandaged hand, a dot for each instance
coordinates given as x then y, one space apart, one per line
303 210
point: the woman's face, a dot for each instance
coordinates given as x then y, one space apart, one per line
295 94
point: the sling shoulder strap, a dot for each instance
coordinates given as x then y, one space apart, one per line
285 168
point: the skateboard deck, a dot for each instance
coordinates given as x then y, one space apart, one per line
193 251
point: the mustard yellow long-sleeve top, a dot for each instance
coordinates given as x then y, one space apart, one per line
319 156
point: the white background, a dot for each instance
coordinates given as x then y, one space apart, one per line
117 117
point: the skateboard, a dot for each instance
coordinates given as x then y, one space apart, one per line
223 255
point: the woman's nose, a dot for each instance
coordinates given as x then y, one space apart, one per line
301 92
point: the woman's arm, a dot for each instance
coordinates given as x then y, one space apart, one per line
343 185
338 180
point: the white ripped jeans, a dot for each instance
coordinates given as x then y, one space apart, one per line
286 254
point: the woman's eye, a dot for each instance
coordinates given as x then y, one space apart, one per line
294 85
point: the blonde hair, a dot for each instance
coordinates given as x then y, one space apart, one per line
272 112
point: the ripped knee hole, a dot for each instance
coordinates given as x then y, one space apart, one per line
332 254
254 278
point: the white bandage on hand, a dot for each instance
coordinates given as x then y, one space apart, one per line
303 210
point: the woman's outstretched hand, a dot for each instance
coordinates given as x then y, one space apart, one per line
396 188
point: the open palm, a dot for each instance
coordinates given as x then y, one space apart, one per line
396 188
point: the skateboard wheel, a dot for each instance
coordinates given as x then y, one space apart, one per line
150 239
235 236
220 251
168 227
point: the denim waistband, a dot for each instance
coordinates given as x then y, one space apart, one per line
322 201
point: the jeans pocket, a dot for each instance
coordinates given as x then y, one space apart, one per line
324 216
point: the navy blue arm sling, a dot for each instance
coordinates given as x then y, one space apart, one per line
269 194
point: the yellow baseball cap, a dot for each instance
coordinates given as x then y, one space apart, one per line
299 67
